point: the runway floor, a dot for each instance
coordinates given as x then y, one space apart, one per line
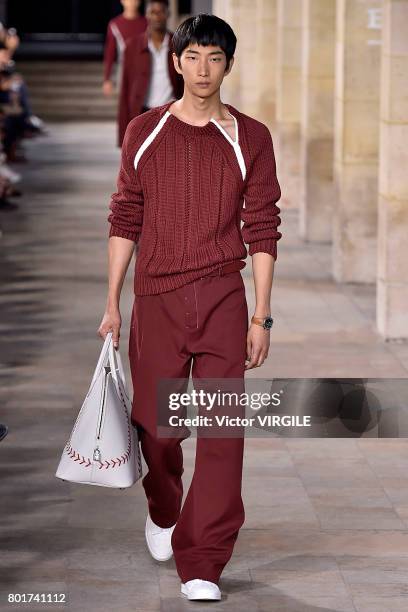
326 519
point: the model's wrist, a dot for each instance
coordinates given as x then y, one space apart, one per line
112 303
262 312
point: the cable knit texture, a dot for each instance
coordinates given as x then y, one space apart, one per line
186 204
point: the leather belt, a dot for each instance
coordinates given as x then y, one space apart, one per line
232 266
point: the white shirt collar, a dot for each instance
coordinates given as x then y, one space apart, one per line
165 43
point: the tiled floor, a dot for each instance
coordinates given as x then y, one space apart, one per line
326 519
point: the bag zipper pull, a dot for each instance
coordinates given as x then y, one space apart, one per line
97 454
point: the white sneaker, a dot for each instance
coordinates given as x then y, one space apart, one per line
9 174
158 540
200 589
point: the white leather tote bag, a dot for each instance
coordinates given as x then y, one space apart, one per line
103 448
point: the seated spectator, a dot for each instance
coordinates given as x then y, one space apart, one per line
11 111
9 39
9 42
17 120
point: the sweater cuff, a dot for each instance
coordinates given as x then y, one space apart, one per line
117 231
267 245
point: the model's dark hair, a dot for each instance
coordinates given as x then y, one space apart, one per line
165 2
205 29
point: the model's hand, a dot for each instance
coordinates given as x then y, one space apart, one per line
111 322
258 340
107 88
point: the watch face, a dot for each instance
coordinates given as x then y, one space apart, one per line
268 323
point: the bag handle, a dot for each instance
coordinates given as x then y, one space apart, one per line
109 355
116 364
102 356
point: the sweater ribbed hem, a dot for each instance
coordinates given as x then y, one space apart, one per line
148 285
268 245
117 231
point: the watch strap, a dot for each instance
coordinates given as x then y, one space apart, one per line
259 320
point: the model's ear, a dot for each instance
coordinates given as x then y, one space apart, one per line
176 63
230 66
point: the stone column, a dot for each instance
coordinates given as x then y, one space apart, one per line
288 70
218 8
317 120
265 63
229 10
246 57
201 6
174 20
392 279
357 87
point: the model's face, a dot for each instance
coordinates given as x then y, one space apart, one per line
156 15
203 68
131 5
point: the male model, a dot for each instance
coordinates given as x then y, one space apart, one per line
120 29
187 167
149 78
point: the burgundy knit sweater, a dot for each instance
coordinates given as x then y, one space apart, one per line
180 196
120 29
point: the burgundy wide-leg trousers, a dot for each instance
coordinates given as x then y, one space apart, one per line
203 324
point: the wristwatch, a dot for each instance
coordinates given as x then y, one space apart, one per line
265 322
